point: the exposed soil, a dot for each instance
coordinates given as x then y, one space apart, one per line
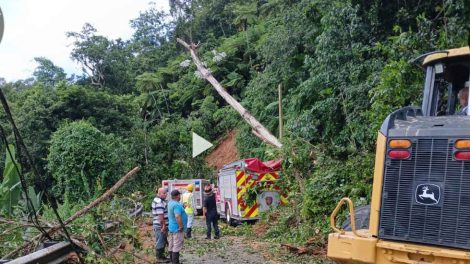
225 152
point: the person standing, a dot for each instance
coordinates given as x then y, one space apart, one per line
178 221
463 99
160 224
188 204
209 211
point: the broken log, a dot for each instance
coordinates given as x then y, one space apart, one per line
81 212
258 129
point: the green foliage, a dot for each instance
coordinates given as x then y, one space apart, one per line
36 200
343 66
10 189
337 179
93 226
83 161
109 113
104 61
47 73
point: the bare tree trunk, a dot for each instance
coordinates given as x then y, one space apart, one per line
258 129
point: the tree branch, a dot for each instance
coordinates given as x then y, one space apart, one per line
81 212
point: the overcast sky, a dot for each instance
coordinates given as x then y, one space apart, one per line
36 28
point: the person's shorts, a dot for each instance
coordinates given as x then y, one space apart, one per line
160 237
175 241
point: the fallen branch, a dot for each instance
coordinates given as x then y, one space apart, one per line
258 129
304 250
81 212
102 198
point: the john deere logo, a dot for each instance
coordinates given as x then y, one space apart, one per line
428 194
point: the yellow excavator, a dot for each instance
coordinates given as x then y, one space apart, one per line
420 208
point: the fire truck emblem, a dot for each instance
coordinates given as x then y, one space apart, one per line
428 194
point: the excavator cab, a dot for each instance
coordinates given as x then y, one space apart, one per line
420 208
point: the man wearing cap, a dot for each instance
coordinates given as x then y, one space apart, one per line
188 204
160 224
463 99
178 220
209 211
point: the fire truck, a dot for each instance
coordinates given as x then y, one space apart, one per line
198 190
239 180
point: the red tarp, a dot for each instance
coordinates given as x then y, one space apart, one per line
257 165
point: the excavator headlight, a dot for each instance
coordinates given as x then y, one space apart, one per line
399 143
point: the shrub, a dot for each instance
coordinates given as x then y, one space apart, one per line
82 161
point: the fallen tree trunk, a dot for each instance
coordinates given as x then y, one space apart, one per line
258 129
81 212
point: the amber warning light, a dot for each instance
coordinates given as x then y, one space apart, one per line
399 148
463 147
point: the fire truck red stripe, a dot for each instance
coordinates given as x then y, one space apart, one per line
180 184
240 175
251 210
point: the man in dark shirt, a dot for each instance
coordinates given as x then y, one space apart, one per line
209 211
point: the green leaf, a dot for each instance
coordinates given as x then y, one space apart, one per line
10 190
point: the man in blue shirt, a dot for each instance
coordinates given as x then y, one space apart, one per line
178 221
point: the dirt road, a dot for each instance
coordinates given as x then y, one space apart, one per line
200 250
230 248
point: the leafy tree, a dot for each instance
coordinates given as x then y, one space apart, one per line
48 73
151 28
108 112
104 61
82 162
37 118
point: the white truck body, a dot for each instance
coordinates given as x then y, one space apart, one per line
198 190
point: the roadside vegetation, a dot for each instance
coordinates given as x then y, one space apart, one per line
343 67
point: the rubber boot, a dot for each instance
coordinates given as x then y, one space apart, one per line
188 233
175 258
171 256
161 256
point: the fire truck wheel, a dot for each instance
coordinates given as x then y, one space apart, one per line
228 216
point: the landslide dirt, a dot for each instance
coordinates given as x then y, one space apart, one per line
225 152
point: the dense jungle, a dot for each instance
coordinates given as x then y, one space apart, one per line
342 65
